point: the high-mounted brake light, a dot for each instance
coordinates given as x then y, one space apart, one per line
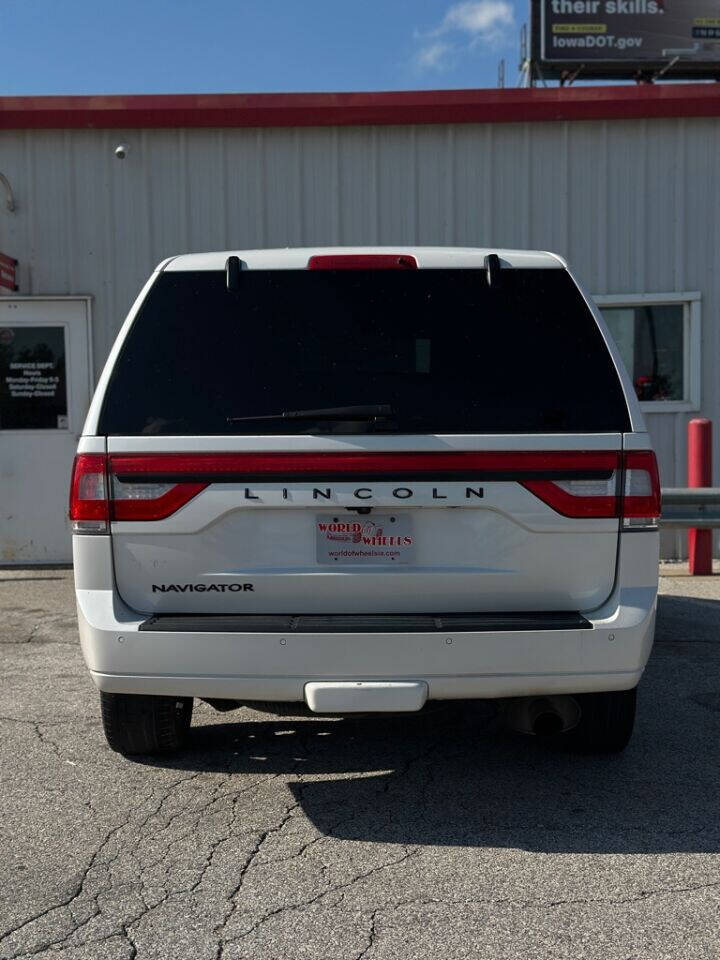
88 494
363 261
233 269
492 270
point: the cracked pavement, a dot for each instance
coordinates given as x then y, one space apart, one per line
296 837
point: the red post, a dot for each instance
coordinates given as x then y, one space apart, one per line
700 475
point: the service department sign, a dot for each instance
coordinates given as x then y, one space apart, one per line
33 388
631 35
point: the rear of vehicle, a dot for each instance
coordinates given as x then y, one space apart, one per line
362 479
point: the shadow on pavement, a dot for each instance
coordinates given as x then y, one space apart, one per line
454 776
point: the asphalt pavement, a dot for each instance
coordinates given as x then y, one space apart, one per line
441 835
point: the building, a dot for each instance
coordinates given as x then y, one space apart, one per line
623 181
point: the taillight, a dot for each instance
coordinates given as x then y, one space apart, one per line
88 494
362 261
579 484
638 504
641 494
593 496
149 501
97 497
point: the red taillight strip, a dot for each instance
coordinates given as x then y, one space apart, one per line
625 505
361 465
568 505
363 261
645 507
537 471
158 508
81 509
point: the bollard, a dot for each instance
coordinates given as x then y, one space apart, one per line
700 475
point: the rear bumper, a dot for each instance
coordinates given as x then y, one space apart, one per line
276 666
455 664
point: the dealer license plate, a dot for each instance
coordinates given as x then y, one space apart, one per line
372 538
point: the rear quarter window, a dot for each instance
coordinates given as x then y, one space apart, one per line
447 353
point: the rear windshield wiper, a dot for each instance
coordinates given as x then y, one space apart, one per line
325 413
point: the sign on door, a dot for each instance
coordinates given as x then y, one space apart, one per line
33 388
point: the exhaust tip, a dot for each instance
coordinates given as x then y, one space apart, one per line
542 716
547 724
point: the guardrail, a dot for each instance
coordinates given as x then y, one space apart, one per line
694 508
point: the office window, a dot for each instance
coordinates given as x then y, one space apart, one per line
659 341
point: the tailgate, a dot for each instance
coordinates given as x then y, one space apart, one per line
513 524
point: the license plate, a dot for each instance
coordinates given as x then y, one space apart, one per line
373 538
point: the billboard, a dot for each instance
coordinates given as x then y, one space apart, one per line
619 38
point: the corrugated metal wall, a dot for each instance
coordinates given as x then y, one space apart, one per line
634 205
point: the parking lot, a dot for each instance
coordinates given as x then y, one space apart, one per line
441 835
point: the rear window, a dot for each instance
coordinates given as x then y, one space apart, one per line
447 353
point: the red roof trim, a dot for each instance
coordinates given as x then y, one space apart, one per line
347 109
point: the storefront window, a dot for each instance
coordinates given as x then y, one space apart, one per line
652 340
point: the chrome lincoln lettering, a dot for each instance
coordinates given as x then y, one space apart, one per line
202 587
362 493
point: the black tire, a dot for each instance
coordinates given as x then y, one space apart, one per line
606 723
136 724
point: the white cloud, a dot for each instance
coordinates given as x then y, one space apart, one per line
482 19
470 23
433 56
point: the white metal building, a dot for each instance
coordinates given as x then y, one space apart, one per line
623 181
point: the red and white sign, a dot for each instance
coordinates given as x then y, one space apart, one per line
7 272
377 539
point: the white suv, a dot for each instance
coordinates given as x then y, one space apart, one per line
362 479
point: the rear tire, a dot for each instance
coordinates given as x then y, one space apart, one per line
136 724
606 723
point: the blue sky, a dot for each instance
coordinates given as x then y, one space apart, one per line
182 46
